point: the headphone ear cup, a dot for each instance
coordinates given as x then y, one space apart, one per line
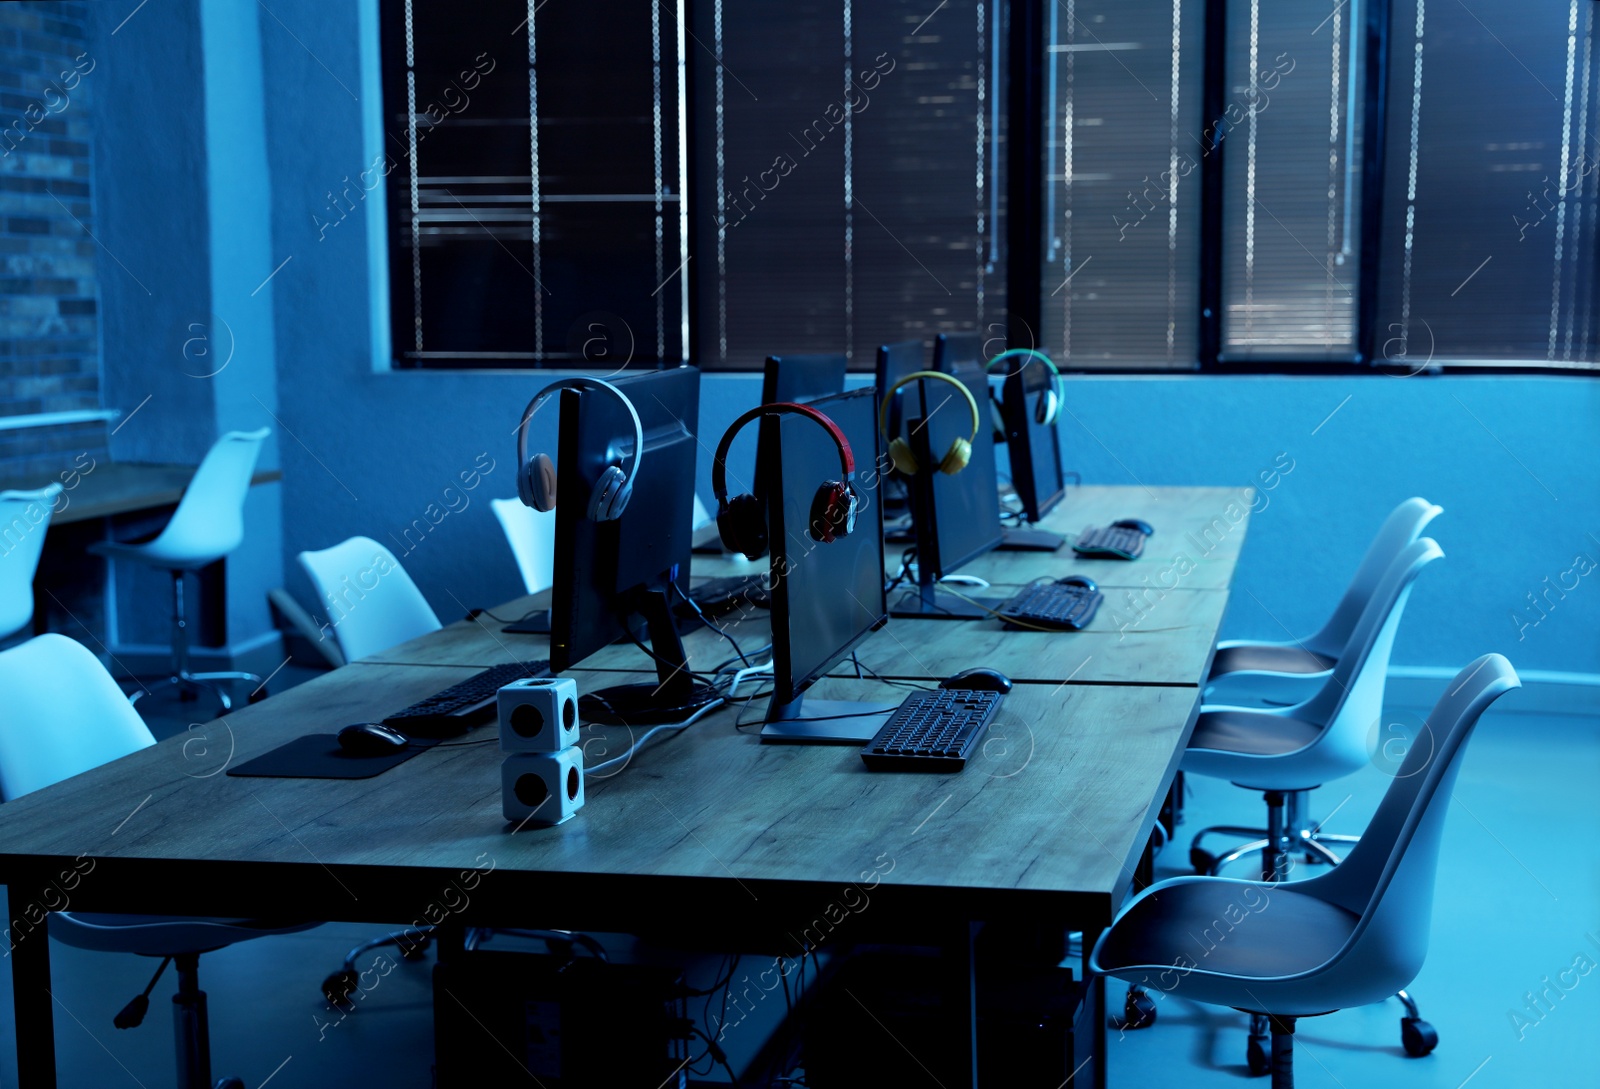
742 524
956 458
833 512
537 484
904 460
1048 408
610 495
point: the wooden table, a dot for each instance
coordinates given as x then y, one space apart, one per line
1043 833
117 487
709 825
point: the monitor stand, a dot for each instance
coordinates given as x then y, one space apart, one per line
928 602
1028 539
535 623
672 698
845 722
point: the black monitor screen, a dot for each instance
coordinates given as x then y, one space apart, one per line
954 350
825 597
801 378
966 505
601 567
895 361
1035 448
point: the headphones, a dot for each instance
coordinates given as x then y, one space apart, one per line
536 476
742 521
955 459
1049 406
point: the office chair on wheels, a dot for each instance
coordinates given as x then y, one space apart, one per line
1347 937
65 715
1248 671
1286 752
208 524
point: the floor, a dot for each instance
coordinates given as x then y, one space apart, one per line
1517 905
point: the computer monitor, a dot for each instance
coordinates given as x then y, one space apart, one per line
826 598
1034 448
613 579
801 378
952 351
895 361
956 516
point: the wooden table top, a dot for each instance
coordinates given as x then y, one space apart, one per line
117 487
1048 820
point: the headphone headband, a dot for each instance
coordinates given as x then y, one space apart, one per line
719 464
1012 353
888 398
581 383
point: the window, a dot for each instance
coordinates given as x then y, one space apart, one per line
850 165
534 191
1122 182
1489 216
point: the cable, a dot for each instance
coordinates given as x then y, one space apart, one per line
704 620
648 734
738 678
473 614
703 678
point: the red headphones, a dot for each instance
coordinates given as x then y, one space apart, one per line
743 523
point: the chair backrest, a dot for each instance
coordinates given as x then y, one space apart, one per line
64 715
371 602
1388 876
1404 524
209 521
1351 700
532 536
24 518
702 516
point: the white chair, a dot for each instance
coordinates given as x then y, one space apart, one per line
702 516
532 537
1348 937
371 602
208 524
65 715
24 518
1247 671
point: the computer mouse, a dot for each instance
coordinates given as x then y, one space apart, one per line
979 679
1078 580
1134 523
371 739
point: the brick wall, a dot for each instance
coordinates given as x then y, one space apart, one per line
49 322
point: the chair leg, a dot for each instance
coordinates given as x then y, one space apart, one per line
191 1026
1275 853
1417 1036
1282 1052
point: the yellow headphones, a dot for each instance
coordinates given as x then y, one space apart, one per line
955 459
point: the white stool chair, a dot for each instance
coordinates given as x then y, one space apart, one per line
208 524
532 537
372 603
65 715
24 518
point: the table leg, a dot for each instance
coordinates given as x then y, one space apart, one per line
30 991
962 1006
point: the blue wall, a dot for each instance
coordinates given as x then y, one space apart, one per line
1510 459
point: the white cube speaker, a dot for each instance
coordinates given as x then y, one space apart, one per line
538 714
540 787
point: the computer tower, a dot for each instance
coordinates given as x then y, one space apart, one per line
519 1019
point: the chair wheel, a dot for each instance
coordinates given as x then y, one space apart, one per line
1201 860
1138 1010
1258 1054
1418 1036
339 986
259 694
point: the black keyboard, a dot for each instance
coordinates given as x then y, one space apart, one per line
1110 543
1053 605
932 731
472 702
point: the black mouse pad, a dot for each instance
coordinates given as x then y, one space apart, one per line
318 756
